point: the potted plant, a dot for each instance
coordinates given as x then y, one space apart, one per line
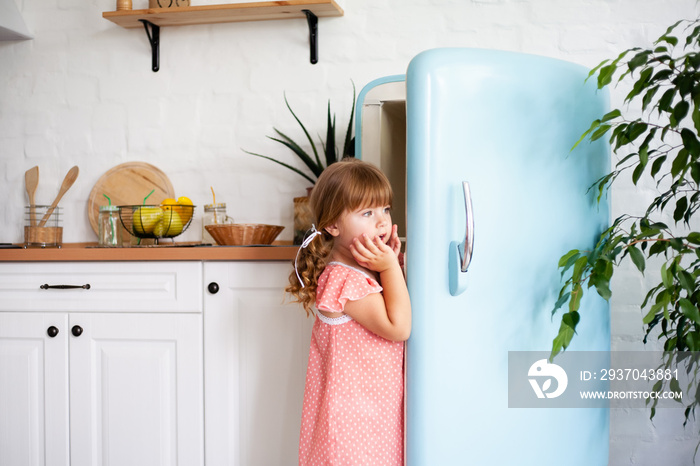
664 145
314 162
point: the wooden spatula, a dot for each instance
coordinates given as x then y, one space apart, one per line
31 181
68 181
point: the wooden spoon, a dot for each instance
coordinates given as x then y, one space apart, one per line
31 181
68 181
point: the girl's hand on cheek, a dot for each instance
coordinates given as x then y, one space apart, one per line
372 253
394 241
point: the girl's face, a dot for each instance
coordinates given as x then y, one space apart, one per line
371 221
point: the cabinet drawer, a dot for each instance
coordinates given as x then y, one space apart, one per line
113 286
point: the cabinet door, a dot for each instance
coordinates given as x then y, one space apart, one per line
136 389
33 390
256 348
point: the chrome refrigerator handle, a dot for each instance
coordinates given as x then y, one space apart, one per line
460 255
467 247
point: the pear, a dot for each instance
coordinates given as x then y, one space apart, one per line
170 224
145 218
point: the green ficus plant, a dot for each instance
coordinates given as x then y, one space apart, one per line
662 144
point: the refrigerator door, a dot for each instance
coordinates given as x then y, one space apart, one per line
505 123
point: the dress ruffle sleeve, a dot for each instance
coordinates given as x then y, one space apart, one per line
339 284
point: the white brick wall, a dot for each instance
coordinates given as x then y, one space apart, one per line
82 92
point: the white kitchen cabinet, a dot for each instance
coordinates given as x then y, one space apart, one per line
33 389
256 351
109 388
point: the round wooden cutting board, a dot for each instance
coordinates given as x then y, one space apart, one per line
128 184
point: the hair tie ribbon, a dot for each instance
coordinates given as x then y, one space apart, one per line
310 235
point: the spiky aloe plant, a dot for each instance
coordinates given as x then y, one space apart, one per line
330 151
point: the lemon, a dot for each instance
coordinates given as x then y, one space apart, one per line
168 203
185 213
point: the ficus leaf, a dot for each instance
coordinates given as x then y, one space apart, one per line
696 114
666 277
649 96
687 281
637 257
652 313
681 110
578 268
670 39
571 319
636 129
568 259
690 310
665 101
676 388
637 173
656 166
576 295
695 172
560 302
600 132
681 207
611 115
638 60
690 142
606 74
679 163
602 285
593 126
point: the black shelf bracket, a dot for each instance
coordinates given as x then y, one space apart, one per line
154 39
312 19
153 33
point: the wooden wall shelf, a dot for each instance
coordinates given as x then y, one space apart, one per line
225 13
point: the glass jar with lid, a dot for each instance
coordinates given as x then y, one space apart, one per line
214 214
109 226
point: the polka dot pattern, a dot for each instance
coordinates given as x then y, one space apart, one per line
340 283
353 401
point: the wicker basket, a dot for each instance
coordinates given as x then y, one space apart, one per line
243 234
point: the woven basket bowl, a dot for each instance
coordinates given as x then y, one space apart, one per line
243 234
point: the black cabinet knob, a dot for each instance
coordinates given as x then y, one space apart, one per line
77 330
213 288
52 331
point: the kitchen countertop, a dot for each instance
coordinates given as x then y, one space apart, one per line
179 252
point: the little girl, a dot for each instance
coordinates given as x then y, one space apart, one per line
348 266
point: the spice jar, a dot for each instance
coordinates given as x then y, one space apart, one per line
214 214
109 231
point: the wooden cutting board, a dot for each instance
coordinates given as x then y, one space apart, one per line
128 184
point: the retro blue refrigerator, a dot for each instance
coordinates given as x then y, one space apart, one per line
479 152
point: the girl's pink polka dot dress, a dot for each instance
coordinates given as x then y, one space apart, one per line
353 401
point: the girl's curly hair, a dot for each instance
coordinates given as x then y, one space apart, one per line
344 186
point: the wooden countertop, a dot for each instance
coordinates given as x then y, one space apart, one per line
179 252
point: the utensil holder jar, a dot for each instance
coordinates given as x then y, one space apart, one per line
48 236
